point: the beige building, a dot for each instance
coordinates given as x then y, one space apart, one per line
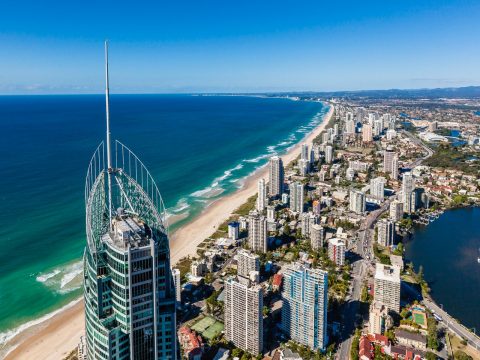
247 263
377 321
316 236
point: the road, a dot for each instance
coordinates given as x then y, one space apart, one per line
452 325
365 250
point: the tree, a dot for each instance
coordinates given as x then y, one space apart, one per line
460 355
430 356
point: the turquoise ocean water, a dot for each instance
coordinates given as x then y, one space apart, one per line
198 148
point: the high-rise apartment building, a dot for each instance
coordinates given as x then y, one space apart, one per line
377 187
262 196
328 154
246 263
357 201
297 197
257 232
388 156
317 233
336 251
178 286
276 176
387 286
129 292
385 232
304 309
243 315
396 210
367 133
378 316
408 193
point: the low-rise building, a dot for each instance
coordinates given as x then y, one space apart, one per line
413 339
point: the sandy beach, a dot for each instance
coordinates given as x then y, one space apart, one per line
59 335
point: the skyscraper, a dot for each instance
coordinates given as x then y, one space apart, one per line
385 232
408 194
262 195
387 286
257 232
243 315
396 210
316 236
276 176
328 154
128 285
357 201
304 309
367 134
388 157
297 197
377 187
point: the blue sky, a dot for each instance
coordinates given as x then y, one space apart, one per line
237 46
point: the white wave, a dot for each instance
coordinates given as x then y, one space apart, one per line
71 272
257 159
44 277
202 192
182 205
10 334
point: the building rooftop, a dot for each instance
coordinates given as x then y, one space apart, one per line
387 272
399 333
128 231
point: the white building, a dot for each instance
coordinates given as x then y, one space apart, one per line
357 201
387 286
388 157
243 315
317 234
247 263
233 230
178 286
377 187
336 251
328 154
262 195
408 193
276 176
297 197
257 232
396 210
385 232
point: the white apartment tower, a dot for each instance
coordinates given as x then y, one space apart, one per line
396 210
377 187
243 315
297 197
257 232
328 154
178 286
385 232
246 263
316 236
276 176
336 251
357 201
388 157
262 195
387 286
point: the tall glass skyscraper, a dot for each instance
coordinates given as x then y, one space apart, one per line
305 303
128 287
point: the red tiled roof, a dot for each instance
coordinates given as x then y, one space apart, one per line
277 280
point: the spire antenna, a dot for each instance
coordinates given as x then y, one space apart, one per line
109 154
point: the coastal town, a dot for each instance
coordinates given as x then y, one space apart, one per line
312 265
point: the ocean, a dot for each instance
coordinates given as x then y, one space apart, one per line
198 148
448 250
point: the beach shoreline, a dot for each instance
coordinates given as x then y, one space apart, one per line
59 335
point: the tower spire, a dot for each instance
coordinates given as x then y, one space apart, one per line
109 155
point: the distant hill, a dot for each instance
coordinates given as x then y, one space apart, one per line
460 92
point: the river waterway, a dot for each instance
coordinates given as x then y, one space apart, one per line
448 250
